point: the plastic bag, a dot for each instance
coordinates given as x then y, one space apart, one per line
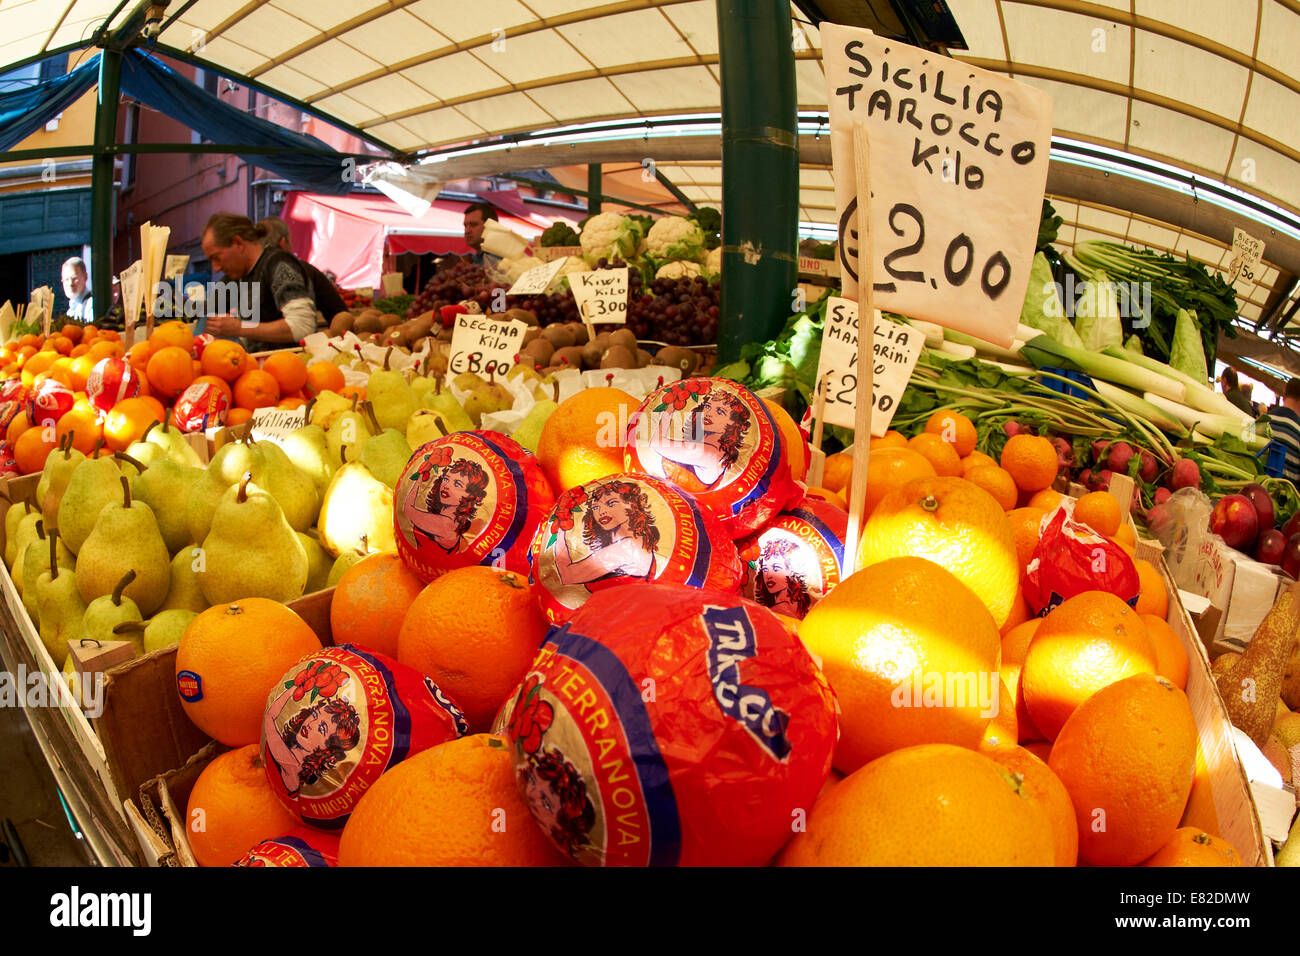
1071 558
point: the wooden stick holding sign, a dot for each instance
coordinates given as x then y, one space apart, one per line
866 351
817 457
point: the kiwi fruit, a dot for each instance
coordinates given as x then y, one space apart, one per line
368 323
388 320
601 341
618 357
674 356
538 352
579 331
342 323
623 337
591 356
643 358
559 336
568 357
523 315
533 333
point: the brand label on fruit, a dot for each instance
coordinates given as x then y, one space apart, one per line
286 851
275 424
796 560
732 640
587 760
190 686
601 295
958 163
537 279
896 347
484 346
619 529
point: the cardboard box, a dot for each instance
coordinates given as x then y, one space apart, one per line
159 811
548 253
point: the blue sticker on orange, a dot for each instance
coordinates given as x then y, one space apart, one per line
190 686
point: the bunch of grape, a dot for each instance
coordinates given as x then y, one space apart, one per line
456 283
677 311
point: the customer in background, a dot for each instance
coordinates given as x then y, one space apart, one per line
476 217
1234 393
328 301
80 306
1285 419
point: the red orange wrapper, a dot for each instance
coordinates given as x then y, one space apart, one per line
1071 558
622 530
338 719
716 440
111 380
301 847
797 559
49 401
201 406
667 726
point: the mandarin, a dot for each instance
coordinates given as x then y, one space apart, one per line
892 468
1099 511
371 600
954 428
1192 846
1035 780
1032 461
256 389
938 452
584 438
1171 657
288 369
232 808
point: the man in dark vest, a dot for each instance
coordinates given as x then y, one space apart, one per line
328 301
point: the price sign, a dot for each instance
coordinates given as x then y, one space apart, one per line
131 293
175 266
601 295
958 164
537 279
392 283
1247 252
273 424
482 345
896 349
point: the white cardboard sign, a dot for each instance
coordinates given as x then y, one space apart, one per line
601 295
958 165
537 279
392 283
175 266
131 290
482 345
273 424
1247 252
896 348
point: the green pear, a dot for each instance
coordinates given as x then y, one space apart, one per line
493 397
525 372
319 562
425 426
139 456
132 631
17 511
166 628
54 480
547 389
529 432
386 456
357 513
60 607
95 484
326 407
17 542
1289 855
341 565
162 486
351 429
185 593
125 538
35 560
109 610
422 385
174 444
445 403
248 522
468 381
307 448
272 471
391 397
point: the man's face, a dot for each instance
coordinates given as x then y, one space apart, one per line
74 281
474 229
232 260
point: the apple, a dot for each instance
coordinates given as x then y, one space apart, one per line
1263 504
1270 547
1292 527
1291 556
1234 520
1186 474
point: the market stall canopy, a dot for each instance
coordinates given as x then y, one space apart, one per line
349 235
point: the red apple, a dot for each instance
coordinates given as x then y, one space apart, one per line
1292 527
1291 556
1234 520
1270 547
1263 504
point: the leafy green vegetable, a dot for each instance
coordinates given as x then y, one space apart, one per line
1133 344
560 233
395 304
710 222
1187 355
1097 315
1049 224
1042 307
825 251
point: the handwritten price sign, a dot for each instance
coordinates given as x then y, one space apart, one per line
482 345
896 349
1247 251
537 279
958 164
601 295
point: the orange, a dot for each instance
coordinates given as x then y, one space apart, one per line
287 369
1192 846
837 470
890 439
1002 728
456 804
1171 658
232 808
796 446
957 525
892 468
938 452
138 356
584 438
1099 511
84 426
1153 596
954 428
72 332
1019 612
976 458
371 600
170 371
997 482
1031 460
127 420
930 805
1085 644
79 371
59 370
256 389
825 494
226 360
888 636
1124 535
323 377
1042 749
292 401
33 447
16 427
1025 523
237 416
40 362
1035 780
1127 757
173 333
1015 644
474 631
103 350
235 654
349 391
61 344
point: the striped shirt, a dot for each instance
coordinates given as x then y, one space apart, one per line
1286 432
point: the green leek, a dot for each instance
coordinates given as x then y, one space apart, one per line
1198 395
1136 405
1207 423
1044 350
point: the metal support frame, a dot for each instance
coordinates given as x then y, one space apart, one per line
680 196
102 195
760 154
593 188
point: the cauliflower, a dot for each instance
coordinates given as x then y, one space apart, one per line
713 262
510 270
678 269
675 237
606 236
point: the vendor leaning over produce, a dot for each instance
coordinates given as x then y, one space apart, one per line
272 279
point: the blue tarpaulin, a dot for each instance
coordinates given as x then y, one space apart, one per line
153 83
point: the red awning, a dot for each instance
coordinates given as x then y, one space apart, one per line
349 235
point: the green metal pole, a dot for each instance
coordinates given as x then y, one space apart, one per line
102 199
760 162
593 189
